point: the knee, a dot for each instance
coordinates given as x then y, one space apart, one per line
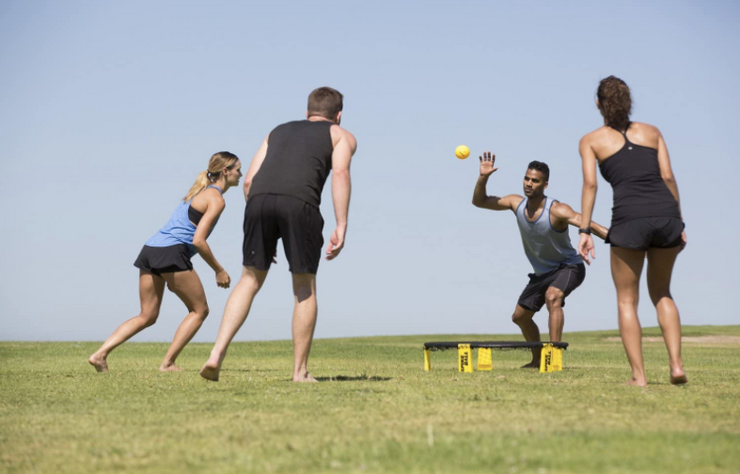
149 318
657 295
203 313
553 300
249 283
519 318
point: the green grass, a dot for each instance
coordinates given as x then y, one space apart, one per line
376 411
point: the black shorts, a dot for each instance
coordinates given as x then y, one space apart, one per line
269 217
565 278
646 232
158 260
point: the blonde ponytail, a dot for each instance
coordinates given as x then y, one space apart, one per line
217 163
201 183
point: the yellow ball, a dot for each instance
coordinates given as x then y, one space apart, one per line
462 152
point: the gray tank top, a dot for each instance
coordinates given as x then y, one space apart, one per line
546 248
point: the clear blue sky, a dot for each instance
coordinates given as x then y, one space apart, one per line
110 109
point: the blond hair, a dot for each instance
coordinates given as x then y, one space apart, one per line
216 164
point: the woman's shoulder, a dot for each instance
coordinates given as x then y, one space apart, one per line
644 134
595 135
207 197
644 128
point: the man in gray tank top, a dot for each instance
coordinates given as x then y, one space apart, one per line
543 224
283 191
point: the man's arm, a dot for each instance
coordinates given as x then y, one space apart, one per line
254 167
341 188
483 200
563 214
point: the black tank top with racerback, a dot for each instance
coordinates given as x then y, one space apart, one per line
297 162
639 190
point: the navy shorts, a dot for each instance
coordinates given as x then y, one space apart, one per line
158 260
565 278
269 217
646 232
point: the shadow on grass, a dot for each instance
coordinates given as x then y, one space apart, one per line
358 378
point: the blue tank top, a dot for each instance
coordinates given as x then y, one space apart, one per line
178 230
546 248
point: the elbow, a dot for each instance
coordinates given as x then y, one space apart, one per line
669 180
341 175
247 185
477 202
199 243
589 184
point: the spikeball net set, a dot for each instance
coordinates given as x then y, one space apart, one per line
551 359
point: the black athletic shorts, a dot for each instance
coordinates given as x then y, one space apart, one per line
158 260
565 278
269 217
646 232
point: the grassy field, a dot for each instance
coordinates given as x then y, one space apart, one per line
376 410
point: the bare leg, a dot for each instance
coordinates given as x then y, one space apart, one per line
151 289
554 299
304 323
187 286
522 317
626 269
660 268
235 313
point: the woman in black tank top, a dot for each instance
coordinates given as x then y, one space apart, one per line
646 220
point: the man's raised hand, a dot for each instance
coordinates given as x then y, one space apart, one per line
486 163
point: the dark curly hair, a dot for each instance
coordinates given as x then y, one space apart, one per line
615 102
541 167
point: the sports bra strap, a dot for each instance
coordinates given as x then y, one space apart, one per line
624 133
214 186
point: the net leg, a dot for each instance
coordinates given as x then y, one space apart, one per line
484 359
464 359
546 359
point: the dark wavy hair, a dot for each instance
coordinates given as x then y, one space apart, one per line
615 102
541 167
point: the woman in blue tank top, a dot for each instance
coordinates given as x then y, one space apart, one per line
165 259
646 220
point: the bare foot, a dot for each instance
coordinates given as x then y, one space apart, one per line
100 364
210 371
169 368
678 377
306 378
532 365
636 383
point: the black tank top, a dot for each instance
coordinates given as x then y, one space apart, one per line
639 190
298 161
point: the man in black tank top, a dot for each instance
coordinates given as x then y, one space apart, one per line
283 190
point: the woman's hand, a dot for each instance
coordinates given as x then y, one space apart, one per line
223 279
586 247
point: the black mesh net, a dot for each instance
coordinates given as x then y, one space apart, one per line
502 345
